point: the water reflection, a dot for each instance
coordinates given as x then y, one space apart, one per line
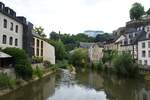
39 90
85 85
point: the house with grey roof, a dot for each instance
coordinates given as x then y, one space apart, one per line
95 50
144 48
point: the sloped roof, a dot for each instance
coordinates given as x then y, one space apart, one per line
143 37
130 30
4 55
86 44
140 35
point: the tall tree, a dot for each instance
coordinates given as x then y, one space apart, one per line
39 30
136 11
54 36
60 51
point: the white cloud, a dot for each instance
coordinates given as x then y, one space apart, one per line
74 16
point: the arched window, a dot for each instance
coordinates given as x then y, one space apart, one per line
16 29
5 23
16 42
10 41
4 39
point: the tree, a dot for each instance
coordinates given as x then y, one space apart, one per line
40 31
148 12
22 65
124 65
54 36
136 11
60 50
79 57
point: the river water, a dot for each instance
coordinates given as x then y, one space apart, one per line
85 85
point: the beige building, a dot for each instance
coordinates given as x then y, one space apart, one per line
95 50
95 53
43 49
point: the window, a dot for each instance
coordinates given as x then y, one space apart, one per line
41 44
10 41
143 53
41 52
148 44
37 52
4 39
148 29
11 26
16 42
148 35
16 29
5 23
37 44
33 42
130 41
140 61
145 62
143 45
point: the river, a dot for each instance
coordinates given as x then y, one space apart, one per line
85 85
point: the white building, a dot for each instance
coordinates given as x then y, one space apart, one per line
11 29
93 33
144 48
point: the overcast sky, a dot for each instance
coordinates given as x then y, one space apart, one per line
75 16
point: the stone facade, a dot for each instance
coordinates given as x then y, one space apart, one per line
11 29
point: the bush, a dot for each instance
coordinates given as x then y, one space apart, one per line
22 65
98 66
37 59
38 72
47 64
109 55
124 65
62 64
6 82
79 58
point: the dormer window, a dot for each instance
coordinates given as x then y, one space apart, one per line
141 28
5 23
148 29
11 26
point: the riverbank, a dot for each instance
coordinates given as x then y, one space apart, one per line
24 83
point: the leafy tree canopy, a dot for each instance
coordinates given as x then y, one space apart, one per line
39 30
136 11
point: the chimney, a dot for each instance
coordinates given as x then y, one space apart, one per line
7 10
2 6
22 19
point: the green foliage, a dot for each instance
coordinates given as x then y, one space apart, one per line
60 51
47 64
124 65
98 66
40 31
70 41
54 36
38 72
79 57
109 55
37 59
22 65
137 11
6 82
62 64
